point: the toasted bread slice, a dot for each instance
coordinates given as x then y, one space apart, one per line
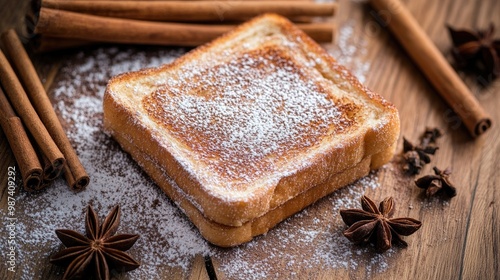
228 236
251 120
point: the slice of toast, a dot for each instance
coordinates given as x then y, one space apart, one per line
251 120
228 236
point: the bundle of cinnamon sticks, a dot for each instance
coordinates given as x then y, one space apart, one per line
65 23
35 135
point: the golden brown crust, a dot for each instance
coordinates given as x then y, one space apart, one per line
227 236
123 118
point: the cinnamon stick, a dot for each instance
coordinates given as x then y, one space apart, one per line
24 153
43 107
64 24
434 66
21 104
321 32
43 43
49 173
192 10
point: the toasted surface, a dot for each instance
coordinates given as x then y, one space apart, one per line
248 122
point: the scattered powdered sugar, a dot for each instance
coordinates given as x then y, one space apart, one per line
309 242
349 49
167 237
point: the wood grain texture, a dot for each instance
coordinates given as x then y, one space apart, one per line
460 238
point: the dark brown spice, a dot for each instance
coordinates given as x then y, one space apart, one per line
477 50
440 182
416 156
375 225
99 248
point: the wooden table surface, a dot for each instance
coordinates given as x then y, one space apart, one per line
460 238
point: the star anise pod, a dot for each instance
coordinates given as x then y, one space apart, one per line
440 182
477 49
416 156
430 136
99 247
376 225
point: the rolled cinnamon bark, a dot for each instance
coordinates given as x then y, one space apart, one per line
43 107
24 153
70 25
185 11
43 43
434 66
49 173
57 23
22 105
320 32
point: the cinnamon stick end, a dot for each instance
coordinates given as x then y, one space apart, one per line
53 170
482 126
81 183
33 180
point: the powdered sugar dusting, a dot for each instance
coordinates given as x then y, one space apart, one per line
308 242
349 49
257 109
